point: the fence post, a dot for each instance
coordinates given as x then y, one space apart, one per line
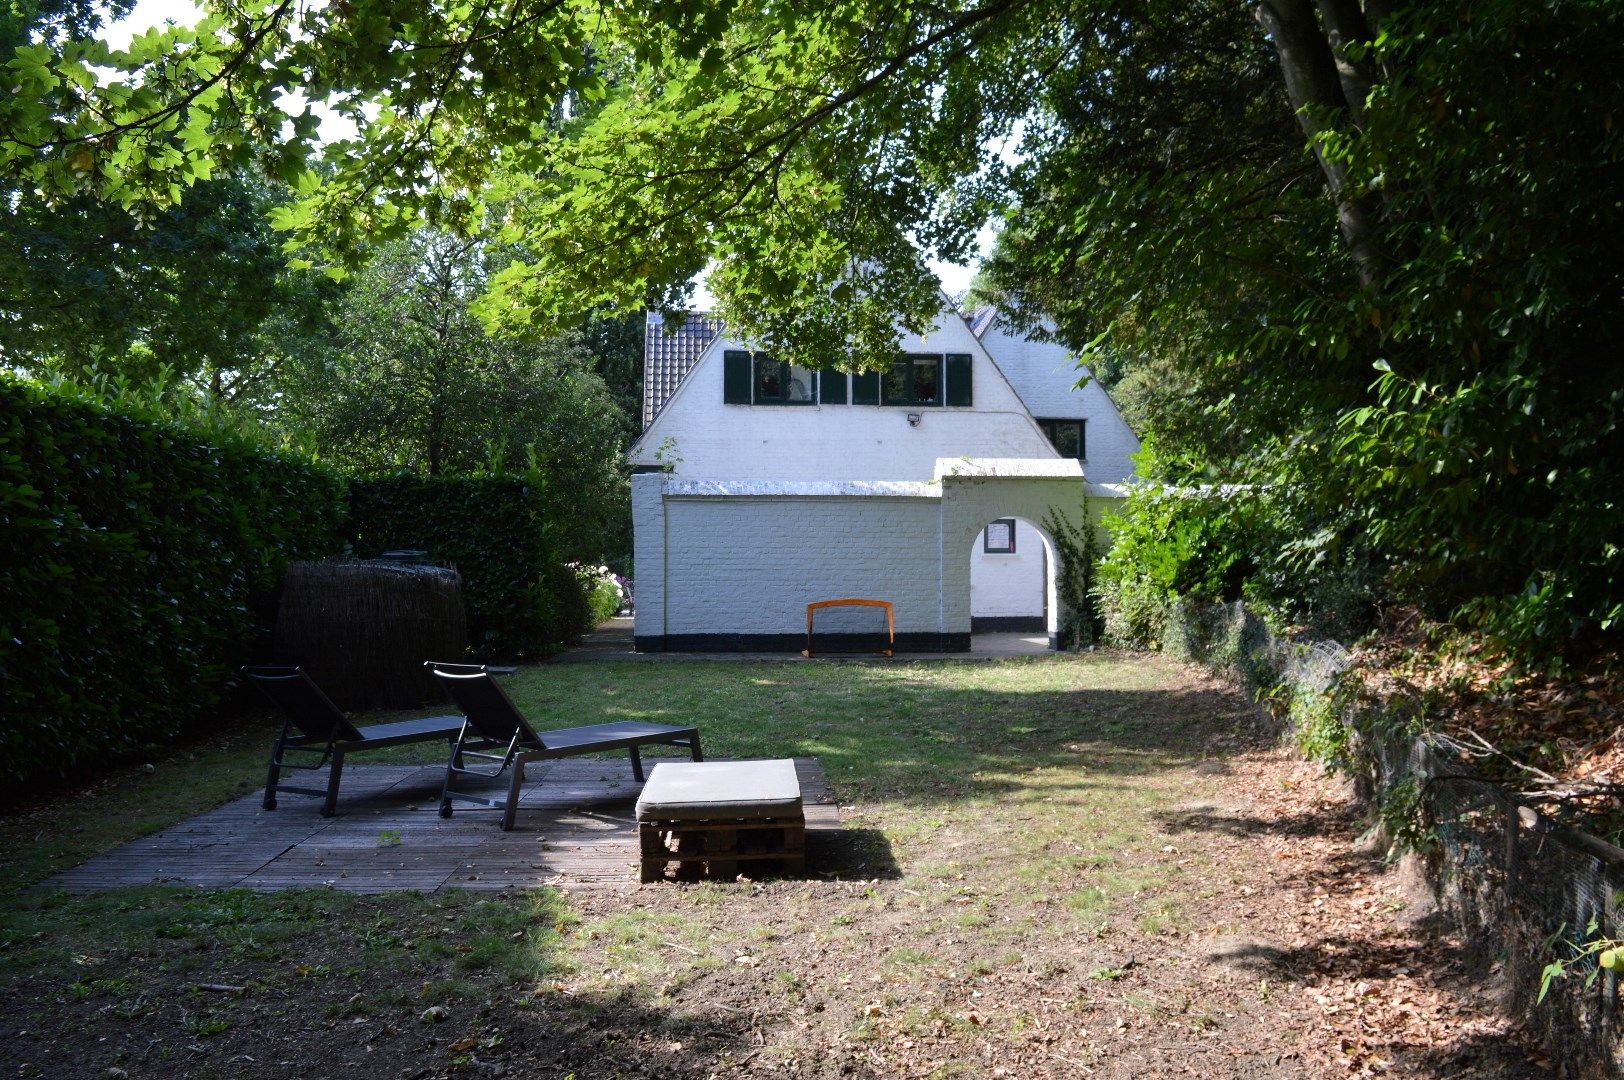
1513 821
1609 927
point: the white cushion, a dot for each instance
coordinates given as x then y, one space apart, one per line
700 790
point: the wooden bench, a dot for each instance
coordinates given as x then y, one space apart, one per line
711 816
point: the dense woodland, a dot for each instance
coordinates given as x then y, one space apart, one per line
1355 265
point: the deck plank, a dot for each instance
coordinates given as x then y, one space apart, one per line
576 829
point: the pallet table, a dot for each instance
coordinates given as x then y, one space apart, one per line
711 816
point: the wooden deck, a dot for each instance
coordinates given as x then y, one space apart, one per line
575 830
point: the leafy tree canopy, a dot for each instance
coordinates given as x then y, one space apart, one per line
1373 245
202 292
413 380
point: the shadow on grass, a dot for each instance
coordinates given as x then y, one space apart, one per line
394 985
851 855
1322 821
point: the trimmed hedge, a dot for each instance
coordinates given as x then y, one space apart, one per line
522 600
141 558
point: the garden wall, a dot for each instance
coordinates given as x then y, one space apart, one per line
1520 888
141 558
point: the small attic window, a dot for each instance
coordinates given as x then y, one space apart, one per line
1068 437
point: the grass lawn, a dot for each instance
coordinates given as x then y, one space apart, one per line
1024 904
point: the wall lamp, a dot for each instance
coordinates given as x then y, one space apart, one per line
913 419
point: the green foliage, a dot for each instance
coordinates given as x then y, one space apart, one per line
1169 543
414 381
1225 543
429 87
1589 954
142 556
202 292
1316 721
522 599
1134 611
603 593
1430 409
1077 550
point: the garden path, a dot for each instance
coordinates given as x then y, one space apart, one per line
612 640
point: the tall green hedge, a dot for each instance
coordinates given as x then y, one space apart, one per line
521 599
140 557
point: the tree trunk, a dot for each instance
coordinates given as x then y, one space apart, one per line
1344 23
1315 89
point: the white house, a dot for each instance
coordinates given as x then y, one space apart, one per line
760 487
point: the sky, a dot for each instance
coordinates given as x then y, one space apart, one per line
148 13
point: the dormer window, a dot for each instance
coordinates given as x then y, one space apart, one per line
915 380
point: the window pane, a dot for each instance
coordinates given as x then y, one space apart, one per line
927 380
769 379
801 384
894 384
1066 436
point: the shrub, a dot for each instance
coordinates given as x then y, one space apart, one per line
1209 544
142 556
522 599
603 592
1077 550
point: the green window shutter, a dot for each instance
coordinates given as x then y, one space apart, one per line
865 388
736 377
832 386
958 379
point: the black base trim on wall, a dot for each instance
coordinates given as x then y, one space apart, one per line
1008 624
856 644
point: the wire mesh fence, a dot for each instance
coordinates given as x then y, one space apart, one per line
1524 890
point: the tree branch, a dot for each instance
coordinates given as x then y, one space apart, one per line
1316 93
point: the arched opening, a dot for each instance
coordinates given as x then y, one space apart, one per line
1013 604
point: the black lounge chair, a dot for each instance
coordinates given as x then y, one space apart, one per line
315 727
497 732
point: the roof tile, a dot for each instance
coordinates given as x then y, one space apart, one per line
669 353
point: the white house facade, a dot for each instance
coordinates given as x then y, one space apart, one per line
760 487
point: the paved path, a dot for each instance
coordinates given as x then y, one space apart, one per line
575 829
612 640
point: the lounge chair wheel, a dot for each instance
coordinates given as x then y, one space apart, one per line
270 804
445 809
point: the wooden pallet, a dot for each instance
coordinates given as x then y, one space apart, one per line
716 848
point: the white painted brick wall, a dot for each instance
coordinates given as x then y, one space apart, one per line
1045 375
1008 584
750 566
648 553
713 441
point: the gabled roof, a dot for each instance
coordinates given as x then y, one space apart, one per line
669 353
980 319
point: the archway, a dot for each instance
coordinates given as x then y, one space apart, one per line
1014 609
